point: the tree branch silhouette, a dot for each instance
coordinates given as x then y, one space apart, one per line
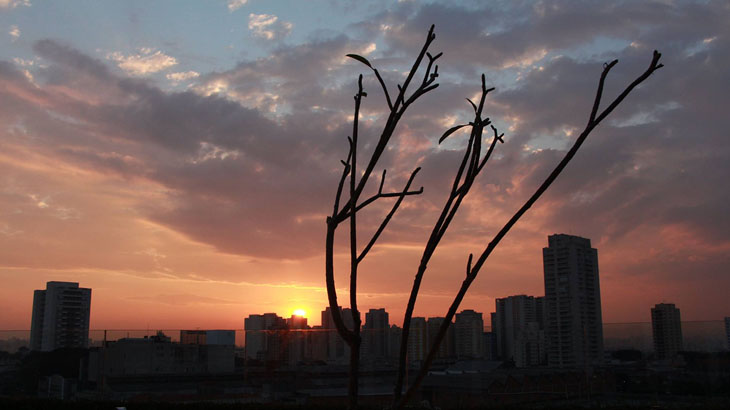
472 271
472 163
351 207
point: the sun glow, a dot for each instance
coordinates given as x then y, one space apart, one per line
300 312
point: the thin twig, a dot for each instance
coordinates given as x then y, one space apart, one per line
391 213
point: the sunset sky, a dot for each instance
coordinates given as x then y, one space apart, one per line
180 157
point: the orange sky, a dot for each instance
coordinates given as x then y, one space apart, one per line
195 204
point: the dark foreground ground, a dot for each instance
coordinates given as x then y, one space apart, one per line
638 404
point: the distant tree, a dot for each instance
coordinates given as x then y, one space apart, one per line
353 182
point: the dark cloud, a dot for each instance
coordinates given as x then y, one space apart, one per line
249 157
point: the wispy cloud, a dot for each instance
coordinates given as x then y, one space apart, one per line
173 172
11 4
268 26
146 61
23 62
14 32
182 76
234 5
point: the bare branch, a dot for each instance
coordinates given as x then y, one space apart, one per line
353 206
599 90
395 114
341 184
653 66
491 148
357 186
458 192
375 197
382 226
401 95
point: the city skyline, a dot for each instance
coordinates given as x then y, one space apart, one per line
566 255
180 159
311 315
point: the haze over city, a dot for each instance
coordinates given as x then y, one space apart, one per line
180 158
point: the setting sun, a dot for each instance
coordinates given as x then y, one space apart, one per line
299 312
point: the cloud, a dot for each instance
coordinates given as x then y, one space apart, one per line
23 62
234 5
242 167
268 26
14 32
11 4
182 76
147 61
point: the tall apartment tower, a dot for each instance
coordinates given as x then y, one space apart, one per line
375 334
666 327
518 326
446 348
573 324
468 334
60 317
337 350
417 340
262 336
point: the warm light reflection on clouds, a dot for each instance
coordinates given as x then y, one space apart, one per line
197 208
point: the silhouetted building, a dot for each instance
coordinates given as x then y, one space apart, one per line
157 355
208 337
490 346
263 339
298 339
518 326
337 350
417 340
60 317
468 335
666 327
317 340
446 348
375 334
192 337
297 322
727 331
395 335
573 324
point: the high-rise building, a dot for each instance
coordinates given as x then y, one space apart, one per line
573 324
446 348
262 336
297 340
518 326
417 340
468 335
375 334
489 341
666 327
337 350
297 322
395 335
727 331
60 317
317 343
